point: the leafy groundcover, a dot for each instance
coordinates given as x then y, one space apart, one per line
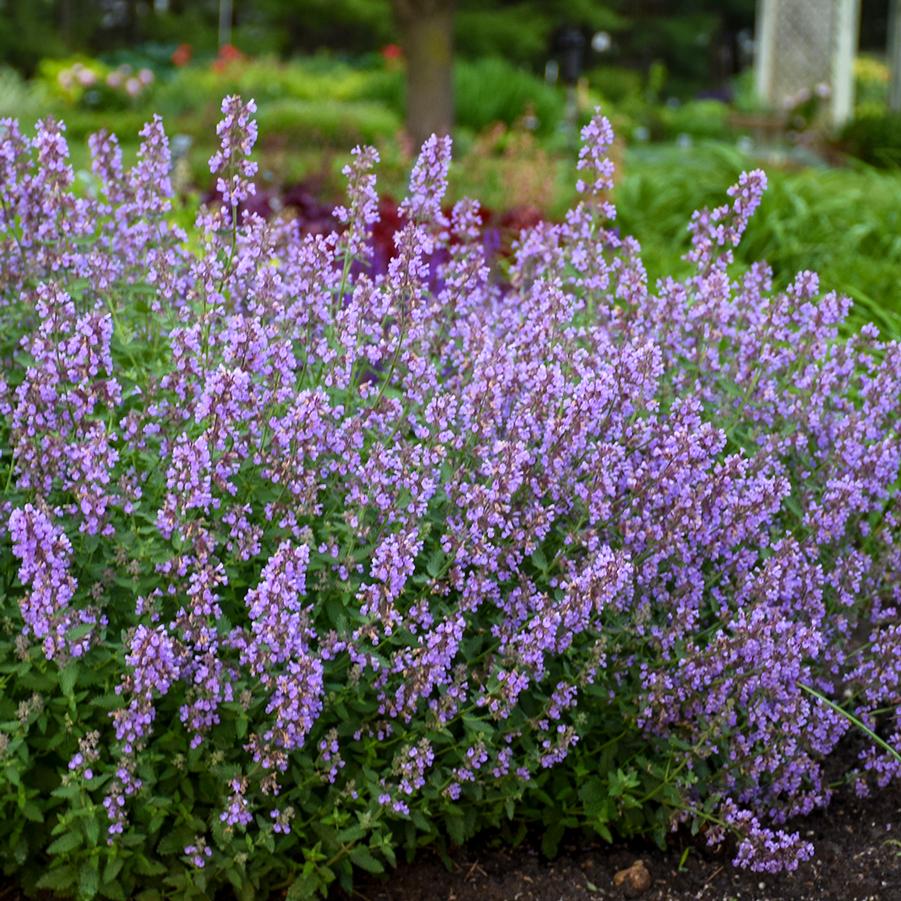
307 562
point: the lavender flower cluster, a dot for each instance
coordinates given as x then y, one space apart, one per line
379 543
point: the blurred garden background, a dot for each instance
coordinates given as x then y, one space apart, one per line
512 80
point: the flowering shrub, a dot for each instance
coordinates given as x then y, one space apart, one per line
92 83
304 564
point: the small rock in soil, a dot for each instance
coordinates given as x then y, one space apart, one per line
634 880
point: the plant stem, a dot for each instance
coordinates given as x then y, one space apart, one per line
852 719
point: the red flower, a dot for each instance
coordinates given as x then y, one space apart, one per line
228 54
181 56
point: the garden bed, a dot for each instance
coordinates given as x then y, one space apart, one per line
858 858
858 843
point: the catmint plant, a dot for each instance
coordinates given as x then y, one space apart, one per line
306 559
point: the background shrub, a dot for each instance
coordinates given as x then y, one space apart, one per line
875 137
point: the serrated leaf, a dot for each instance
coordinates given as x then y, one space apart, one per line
550 841
173 842
435 563
304 887
32 812
60 879
68 676
112 868
148 894
336 613
592 793
68 841
476 725
112 890
89 879
388 852
91 828
108 701
234 877
82 630
147 867
454 825
72 790
362 857
351 834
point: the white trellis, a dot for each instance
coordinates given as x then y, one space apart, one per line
802 44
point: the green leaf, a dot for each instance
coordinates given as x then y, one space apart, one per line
112 868
473 724
351 834
361 857
82 630
59 879
435 563
68 676
550 841
593 794
20 854
336 612
173 842
388 852
112 890
70 791
91 828
267 840
132 839
108 701
454 825
89 879
621 782
305 886
68 841
148 894
32 812
147 867
234 877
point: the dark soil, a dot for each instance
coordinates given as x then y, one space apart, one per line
858 858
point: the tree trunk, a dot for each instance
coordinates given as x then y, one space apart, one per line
894 54
427 37
66 18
